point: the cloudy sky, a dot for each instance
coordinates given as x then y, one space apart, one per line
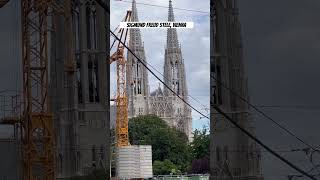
282 53
195 45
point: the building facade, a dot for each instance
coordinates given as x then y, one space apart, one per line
161 102
233 154
81 106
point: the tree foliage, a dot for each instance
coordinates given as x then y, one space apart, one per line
164 167
168 144
201 143
200 150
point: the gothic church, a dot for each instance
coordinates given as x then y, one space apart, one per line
161 102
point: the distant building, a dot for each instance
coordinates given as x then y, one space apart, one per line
161 102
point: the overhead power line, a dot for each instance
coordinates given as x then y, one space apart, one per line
155 5
221 112
143 63
216 108
262 113
263 145
195 99
295 107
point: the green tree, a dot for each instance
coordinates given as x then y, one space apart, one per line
200 150
163 167
167 143
201 143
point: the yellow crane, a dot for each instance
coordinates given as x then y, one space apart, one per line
121 98
37 120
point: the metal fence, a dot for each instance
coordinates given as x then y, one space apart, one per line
183 177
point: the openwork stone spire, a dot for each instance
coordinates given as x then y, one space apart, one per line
174 71
137 75
135 33
172 37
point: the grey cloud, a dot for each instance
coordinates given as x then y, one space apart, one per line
281 42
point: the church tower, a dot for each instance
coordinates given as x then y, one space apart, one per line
80 108
233 154
137 75
175 77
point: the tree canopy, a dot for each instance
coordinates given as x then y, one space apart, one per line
200 151
168 144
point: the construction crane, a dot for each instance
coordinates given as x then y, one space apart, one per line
121 98
37 120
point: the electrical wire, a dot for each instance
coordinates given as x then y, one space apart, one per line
143 63
263 145
262 113
221 112
205 107
106 8
154 5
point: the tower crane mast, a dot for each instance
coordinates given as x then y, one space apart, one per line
121 98
38 151
37 122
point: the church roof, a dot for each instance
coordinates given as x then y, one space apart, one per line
157 92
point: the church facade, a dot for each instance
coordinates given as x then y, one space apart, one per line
161 102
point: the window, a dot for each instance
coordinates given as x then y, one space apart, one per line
218 154
76 26
93 77
78 161
226 152
219 94
96 81
60 163
90 70
88 15
176 74
93 151
79 80
102 152
91 23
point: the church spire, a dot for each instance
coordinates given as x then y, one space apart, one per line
134 11
171 15
137 75
135 33
174 71
172 37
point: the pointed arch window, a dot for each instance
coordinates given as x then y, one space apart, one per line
102 152
226 152
90 78
60 163
79 83
78 161
76 25
91 25
93 153
93 77
96 81
218 154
